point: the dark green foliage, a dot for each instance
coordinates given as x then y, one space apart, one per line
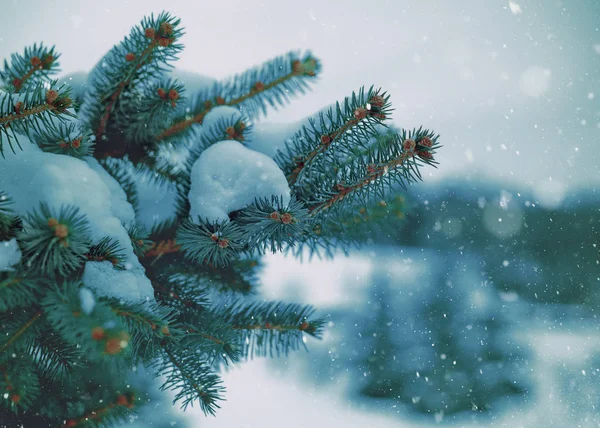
210 243
7 217
115 78
271 225
32 111
338 129
278 80
192 379
30 69
65 139
54 242
17 289
108 249
74 345
145 114
139 239
271 328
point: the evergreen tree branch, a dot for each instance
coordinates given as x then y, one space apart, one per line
252 91
271 328
141 57
20 331
355 121
113 411
32 111
32 68
192 380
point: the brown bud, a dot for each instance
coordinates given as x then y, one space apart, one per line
97 333
130 56
409 144
150 33
18 107
112 346
161 93
275 216
61 231
51 96
287 218
173 95
166 29
297 67
165 330
164 42
52 222
426 142
220 101
122 400
259 86
214 237
223 243
48 60
325 139
424 154
35 61
76 143
360 113
377 101
230 131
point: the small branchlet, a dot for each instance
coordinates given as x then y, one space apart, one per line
337 130
32 111
55 242
30 69
271 84
210 243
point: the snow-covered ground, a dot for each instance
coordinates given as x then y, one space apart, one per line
564 364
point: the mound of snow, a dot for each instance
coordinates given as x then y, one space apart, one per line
32 176
228 176
10 255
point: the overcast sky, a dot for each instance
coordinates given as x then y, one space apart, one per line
512 86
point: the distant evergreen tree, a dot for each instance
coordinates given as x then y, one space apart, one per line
439 346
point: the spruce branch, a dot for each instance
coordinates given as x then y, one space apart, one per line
139 58
271 84
108 249
147 113
32 68
395 161
55 241
18 289
147 325
120 170
210 243
19 384
54 357
32 111
191 378
271 328
338 130
18 333
269 224
69 139
114 411
8 219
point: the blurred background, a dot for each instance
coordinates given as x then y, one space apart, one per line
480 307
